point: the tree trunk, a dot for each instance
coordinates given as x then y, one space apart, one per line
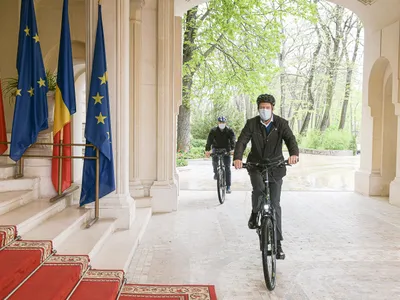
310 100
183 137
183 134
281 58
349 77
333 65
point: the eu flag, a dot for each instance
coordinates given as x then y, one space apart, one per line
98 126
30 113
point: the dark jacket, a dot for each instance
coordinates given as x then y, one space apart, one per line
218 138
266 147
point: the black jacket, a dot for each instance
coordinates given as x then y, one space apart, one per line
266 147
221 139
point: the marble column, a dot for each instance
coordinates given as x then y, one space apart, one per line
164 190
135 185
119 204
178 62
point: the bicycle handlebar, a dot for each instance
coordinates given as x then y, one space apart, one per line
219 152
267 165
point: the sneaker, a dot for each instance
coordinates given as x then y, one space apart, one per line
253 221
228 190
279 253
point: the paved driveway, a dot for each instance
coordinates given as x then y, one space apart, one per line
313 173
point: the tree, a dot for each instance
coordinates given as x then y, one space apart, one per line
334 60
349 73
230 48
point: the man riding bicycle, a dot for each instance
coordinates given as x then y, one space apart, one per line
266 132
222 137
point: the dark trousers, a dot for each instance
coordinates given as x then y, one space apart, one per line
275 187
227 163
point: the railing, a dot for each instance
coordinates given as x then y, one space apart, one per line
20 172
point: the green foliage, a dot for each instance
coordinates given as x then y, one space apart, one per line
181 161
331 139
11 84
198 143
203 121
230 47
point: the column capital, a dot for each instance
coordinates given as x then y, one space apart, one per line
136 10
137 3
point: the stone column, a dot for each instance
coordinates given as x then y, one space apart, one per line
164 189
394 192
135 96
116 32
178 62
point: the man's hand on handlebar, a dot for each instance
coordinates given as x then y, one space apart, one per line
294 159
208 153
238 164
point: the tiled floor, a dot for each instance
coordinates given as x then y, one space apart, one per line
338 245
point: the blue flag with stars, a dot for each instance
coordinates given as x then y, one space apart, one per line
30 112
98 126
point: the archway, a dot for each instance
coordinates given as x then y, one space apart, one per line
384 134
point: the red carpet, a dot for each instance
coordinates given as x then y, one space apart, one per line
7 234
98 284
55 277
173 292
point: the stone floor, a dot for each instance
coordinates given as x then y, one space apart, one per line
339 245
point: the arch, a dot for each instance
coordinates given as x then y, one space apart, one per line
384 133
78 54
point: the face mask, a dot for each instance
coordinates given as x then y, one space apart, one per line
221 126
265 114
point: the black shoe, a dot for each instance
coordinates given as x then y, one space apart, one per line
228 190
279 252
253 221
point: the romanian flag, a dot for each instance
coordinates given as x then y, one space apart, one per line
3 130
65 106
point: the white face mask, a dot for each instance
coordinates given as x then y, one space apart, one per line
221 126
265 114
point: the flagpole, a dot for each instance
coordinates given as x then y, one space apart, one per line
60 148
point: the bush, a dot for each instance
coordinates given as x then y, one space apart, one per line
195 143
331 139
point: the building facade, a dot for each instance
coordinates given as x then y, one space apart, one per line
144 45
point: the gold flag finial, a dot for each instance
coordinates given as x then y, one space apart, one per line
99 2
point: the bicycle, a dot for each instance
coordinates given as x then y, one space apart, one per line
266 224
221 174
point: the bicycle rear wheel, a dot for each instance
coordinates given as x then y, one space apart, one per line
221 187
268 250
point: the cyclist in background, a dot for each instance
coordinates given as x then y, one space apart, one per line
222 137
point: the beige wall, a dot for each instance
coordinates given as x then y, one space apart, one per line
48 17
380 153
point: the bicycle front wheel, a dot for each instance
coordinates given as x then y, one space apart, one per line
268 250
221 188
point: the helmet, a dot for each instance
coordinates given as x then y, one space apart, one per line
222 119
265 98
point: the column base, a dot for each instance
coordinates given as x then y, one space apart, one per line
164 197
176 175
41 167
370 184
117 206
136 189
394 193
